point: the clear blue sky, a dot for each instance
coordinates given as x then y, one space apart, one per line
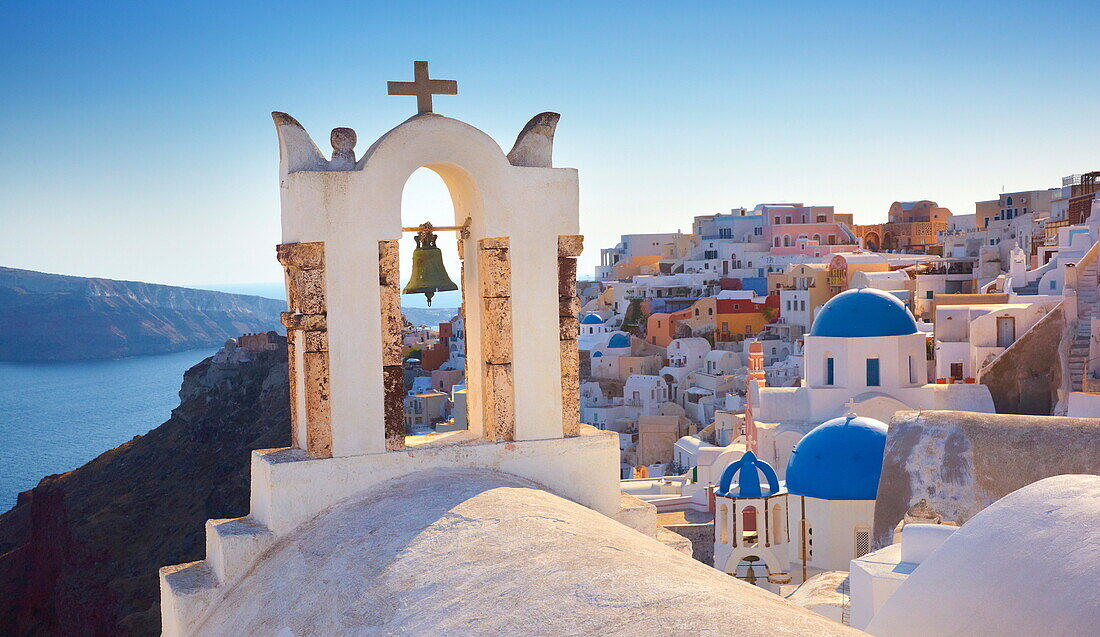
137 142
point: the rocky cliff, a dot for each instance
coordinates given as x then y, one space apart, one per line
79 553
55 317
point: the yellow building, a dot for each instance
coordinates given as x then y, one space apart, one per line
845 264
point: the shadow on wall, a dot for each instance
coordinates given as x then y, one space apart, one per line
961 462
1027 377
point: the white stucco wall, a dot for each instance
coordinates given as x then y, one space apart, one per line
351 210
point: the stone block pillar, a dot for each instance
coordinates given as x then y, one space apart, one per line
569 248
494 267
307 346
393 379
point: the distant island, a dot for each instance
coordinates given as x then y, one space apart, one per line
52 317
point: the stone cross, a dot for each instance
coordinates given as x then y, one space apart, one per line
423 88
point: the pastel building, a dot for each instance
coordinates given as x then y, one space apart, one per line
970 336
791 228
634 254
912 226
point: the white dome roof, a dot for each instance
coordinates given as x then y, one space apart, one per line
1026 565
479 552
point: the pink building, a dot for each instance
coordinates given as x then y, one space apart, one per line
793 228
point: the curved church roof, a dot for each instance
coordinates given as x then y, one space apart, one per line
1026 565
618 341
840 459
747 470
592 319
864 312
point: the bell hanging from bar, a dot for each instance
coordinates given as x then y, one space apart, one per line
428 273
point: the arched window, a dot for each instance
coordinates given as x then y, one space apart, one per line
817 238
777 525
776 242
862 540
723 524
749 523
786 240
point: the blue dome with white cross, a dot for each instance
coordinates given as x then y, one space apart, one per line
864 312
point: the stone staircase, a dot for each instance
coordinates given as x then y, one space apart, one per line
1029 289
1087 307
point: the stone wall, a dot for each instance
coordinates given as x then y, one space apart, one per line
702 539
961 462
307 346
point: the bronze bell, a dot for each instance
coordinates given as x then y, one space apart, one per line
428 273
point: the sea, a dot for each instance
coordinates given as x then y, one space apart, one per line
54 417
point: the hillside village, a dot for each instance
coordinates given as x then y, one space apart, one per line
781 423
785 331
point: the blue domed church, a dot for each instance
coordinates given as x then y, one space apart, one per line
866 355
771 532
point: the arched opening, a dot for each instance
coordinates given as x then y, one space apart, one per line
723 524
433 338
778 532
752 570
750 532
871 241
817 238
786 240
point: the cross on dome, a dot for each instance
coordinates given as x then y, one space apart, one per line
423 87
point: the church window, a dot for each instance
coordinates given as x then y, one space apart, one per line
863 541
912 371
723 523
829 370
777 525
872 372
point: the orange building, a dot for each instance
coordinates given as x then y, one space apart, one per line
661 327
744 318
912 226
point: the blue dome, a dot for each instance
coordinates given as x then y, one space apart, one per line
618 341
592 319
747 470
597 355
839 460
864 312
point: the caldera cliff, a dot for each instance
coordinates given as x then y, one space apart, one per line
79 553
56 317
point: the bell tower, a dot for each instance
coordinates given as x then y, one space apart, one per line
517 221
